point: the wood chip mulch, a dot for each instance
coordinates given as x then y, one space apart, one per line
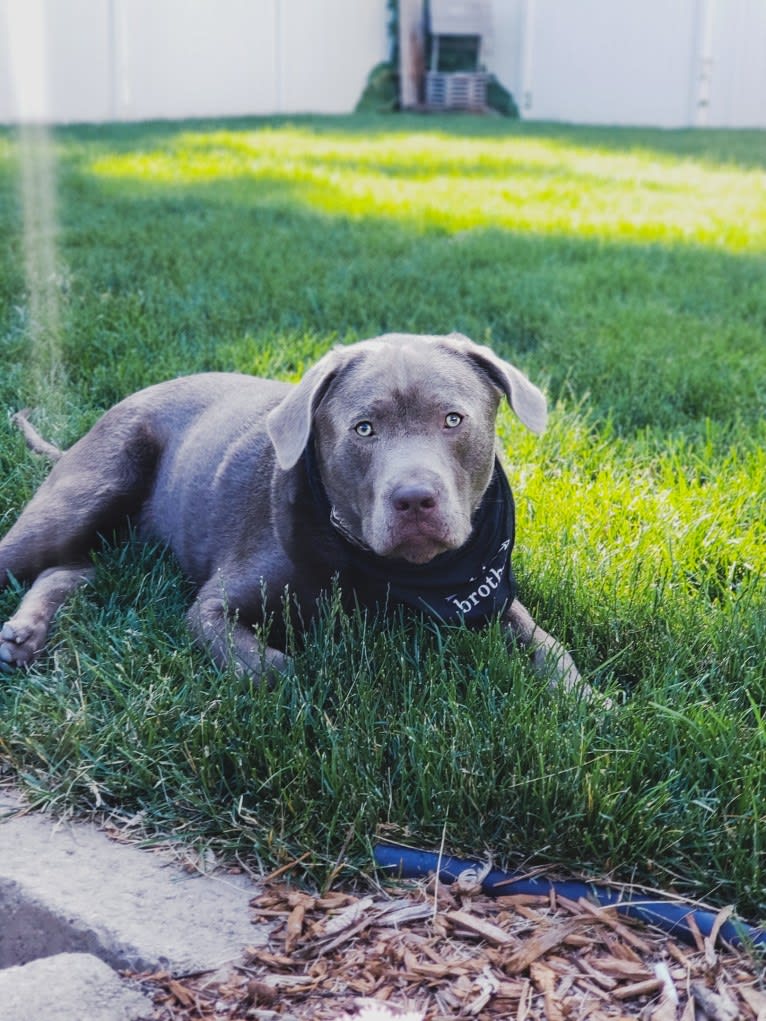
421 953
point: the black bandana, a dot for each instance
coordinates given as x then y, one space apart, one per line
469 585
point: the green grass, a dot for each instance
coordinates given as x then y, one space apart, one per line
625 271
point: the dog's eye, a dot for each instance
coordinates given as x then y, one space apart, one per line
364 429
453 420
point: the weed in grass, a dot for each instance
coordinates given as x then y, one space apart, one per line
621 269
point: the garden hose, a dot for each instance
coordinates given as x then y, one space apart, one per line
674 917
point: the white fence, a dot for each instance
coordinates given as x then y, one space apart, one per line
102 60
662 62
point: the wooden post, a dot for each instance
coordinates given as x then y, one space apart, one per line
411 52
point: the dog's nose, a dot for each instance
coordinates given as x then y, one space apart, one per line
415 498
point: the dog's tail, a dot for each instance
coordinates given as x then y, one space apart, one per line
35 442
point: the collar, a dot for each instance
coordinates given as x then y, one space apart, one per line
470 585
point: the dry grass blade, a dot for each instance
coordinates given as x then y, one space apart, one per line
294 927
544 979
540 944
755 1000
710 941
348 917
717 1006
606 915
464 920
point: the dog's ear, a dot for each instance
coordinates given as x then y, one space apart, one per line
289 424
524 397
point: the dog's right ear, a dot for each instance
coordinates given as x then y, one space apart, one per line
289 424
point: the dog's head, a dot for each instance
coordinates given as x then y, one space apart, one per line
404 431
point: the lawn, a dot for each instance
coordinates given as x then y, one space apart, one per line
625 272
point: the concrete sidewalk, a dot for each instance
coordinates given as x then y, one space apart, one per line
75 906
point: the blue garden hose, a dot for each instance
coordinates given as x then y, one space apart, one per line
672 917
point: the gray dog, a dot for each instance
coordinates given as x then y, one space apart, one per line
379 468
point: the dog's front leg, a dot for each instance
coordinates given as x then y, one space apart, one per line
231 642
548 656
23 636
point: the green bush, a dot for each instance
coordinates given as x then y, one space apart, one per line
381 93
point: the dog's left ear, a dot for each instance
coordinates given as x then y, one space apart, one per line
289 424
524 397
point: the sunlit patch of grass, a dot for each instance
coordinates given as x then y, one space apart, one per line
649 532
532 185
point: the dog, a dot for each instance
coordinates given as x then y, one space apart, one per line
378 468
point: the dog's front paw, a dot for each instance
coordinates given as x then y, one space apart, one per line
20 642
554 660
272 667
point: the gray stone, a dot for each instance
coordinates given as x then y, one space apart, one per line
65 887
69 987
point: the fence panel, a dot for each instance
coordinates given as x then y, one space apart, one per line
94 60
738 64
194 58
688 63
